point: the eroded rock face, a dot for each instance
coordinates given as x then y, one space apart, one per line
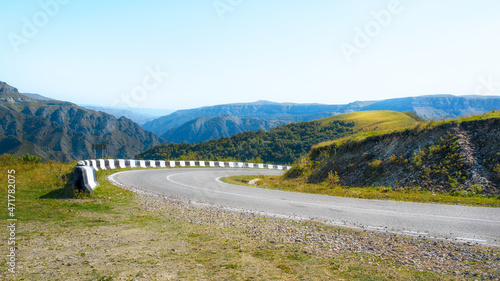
62 131
453 157
6 88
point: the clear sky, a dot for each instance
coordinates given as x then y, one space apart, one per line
184 54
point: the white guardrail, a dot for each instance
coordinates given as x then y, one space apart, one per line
85 170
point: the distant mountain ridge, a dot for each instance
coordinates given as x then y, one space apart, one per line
138 115
36 96
63 131
429 107
288 112
438 107
203 129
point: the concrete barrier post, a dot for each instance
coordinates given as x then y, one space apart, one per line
85 178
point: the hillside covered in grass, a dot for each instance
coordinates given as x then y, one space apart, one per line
283 144
459 156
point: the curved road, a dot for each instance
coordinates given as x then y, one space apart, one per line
456 223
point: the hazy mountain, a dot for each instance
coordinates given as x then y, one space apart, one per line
62 131
440 106
203 129
280 112
138 115
36 96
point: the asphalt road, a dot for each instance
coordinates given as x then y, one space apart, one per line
202 185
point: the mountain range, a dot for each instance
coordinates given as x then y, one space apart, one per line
62 131
212 122
203 129
138 115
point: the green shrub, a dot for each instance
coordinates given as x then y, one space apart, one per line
28 158
333 179
9 160
375 164
497 170
417 160
452 182
476 189
393 158
300 167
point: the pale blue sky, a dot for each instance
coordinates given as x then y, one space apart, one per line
103 52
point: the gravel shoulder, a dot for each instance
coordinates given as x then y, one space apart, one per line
462 260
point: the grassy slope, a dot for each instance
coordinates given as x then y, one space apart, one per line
381 120
111 235
416 125
374 122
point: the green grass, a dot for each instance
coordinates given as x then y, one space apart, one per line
371 123
375 120
44 193
489 115
381 193
354 138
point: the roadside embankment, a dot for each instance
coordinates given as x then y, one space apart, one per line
459 157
